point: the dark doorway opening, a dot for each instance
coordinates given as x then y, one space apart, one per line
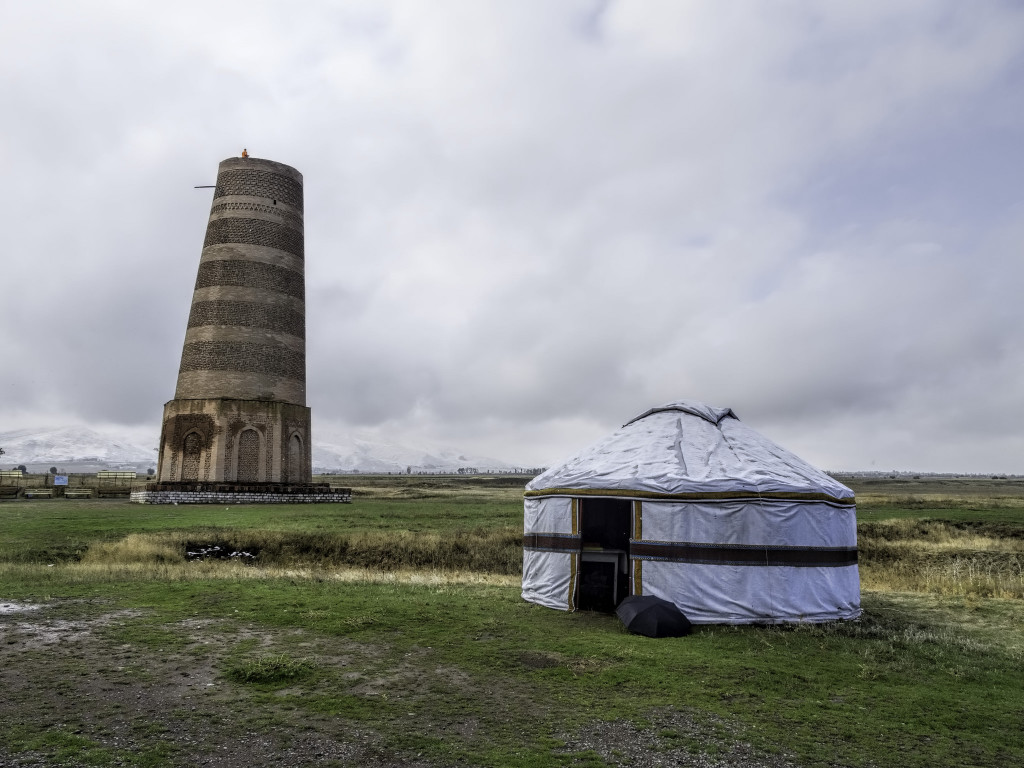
605 525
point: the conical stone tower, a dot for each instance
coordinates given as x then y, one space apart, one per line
239 411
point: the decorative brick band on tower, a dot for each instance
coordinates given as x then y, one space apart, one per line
239 412
246 336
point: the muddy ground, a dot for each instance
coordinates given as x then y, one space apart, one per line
77 688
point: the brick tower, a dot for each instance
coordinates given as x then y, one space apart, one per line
239 412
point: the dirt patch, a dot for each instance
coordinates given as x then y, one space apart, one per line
117 702
536 660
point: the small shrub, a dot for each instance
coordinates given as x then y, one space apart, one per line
270 669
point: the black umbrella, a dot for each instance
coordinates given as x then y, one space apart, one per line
652 616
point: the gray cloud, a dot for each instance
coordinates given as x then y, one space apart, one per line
527 223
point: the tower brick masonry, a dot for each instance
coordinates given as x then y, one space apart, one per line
239 415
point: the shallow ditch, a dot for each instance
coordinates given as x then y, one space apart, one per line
195 551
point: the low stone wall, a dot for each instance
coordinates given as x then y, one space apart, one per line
227 493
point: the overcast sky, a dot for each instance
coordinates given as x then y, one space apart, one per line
527 222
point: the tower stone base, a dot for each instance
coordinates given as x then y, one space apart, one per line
235 441
237 493
223 451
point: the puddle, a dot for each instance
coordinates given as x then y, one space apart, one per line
17 607
34 636
36 633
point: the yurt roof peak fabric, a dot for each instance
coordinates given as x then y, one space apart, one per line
706 412
687 449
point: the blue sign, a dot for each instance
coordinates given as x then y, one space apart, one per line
60 479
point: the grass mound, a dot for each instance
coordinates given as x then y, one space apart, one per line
270 669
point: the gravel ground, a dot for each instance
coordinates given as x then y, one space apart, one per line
623 743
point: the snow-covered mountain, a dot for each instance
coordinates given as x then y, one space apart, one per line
73 449
355 453
83 449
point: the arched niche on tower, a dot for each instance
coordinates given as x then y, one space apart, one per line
294 460
248 456
192 455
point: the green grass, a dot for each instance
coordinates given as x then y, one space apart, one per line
71 749
467 672
61 530
914 678
970 500
973 511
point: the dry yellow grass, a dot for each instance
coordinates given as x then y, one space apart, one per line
938 557
937 501
97 572
137 548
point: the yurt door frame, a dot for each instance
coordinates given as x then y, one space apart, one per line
605 528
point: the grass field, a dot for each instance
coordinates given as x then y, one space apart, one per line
391 632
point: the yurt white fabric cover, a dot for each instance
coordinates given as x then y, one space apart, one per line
724 523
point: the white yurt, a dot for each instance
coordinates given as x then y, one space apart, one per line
689 504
